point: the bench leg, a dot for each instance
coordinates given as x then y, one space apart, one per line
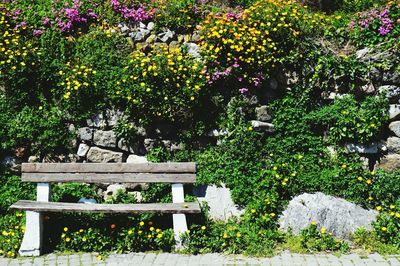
33 237
180 227
32 242
179 220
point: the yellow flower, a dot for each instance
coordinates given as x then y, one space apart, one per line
253 210
159 235
158 230
203 228
68 239
272 214
323 230
360 178
392 206
378 208
369 181
152 228
314 223
384 229
65 229
141 223
238 234
225 235
99 257
250 128
130 232
344 166
84 239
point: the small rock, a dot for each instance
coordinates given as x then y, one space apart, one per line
113 116
392 92
113 190
87 201
263 113
97 155
125 29
123 145
338 216
395 128
177 146
389 162
362 53
393 145
13 163
263 126
166 144
394 111
150 144
33 159
85 134
136 159
193 49
150 25
219 200
360 148
73 158
83 149
368 88
391 77
217 133
166 36
98 121
105 138
138 195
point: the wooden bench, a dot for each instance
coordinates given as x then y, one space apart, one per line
45 173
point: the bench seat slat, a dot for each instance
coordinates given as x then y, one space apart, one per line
28 205
108 178
188 167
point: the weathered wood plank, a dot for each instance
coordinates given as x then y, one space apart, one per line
107 208
108 178
189 167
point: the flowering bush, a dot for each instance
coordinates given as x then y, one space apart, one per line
377 25
134 14
245 47
161 84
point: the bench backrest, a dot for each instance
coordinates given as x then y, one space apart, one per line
109 172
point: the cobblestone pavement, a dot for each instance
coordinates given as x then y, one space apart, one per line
284 258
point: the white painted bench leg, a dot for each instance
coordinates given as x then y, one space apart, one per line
33 237
179 220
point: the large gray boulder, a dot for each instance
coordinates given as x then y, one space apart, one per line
97 155
338 216
219 200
